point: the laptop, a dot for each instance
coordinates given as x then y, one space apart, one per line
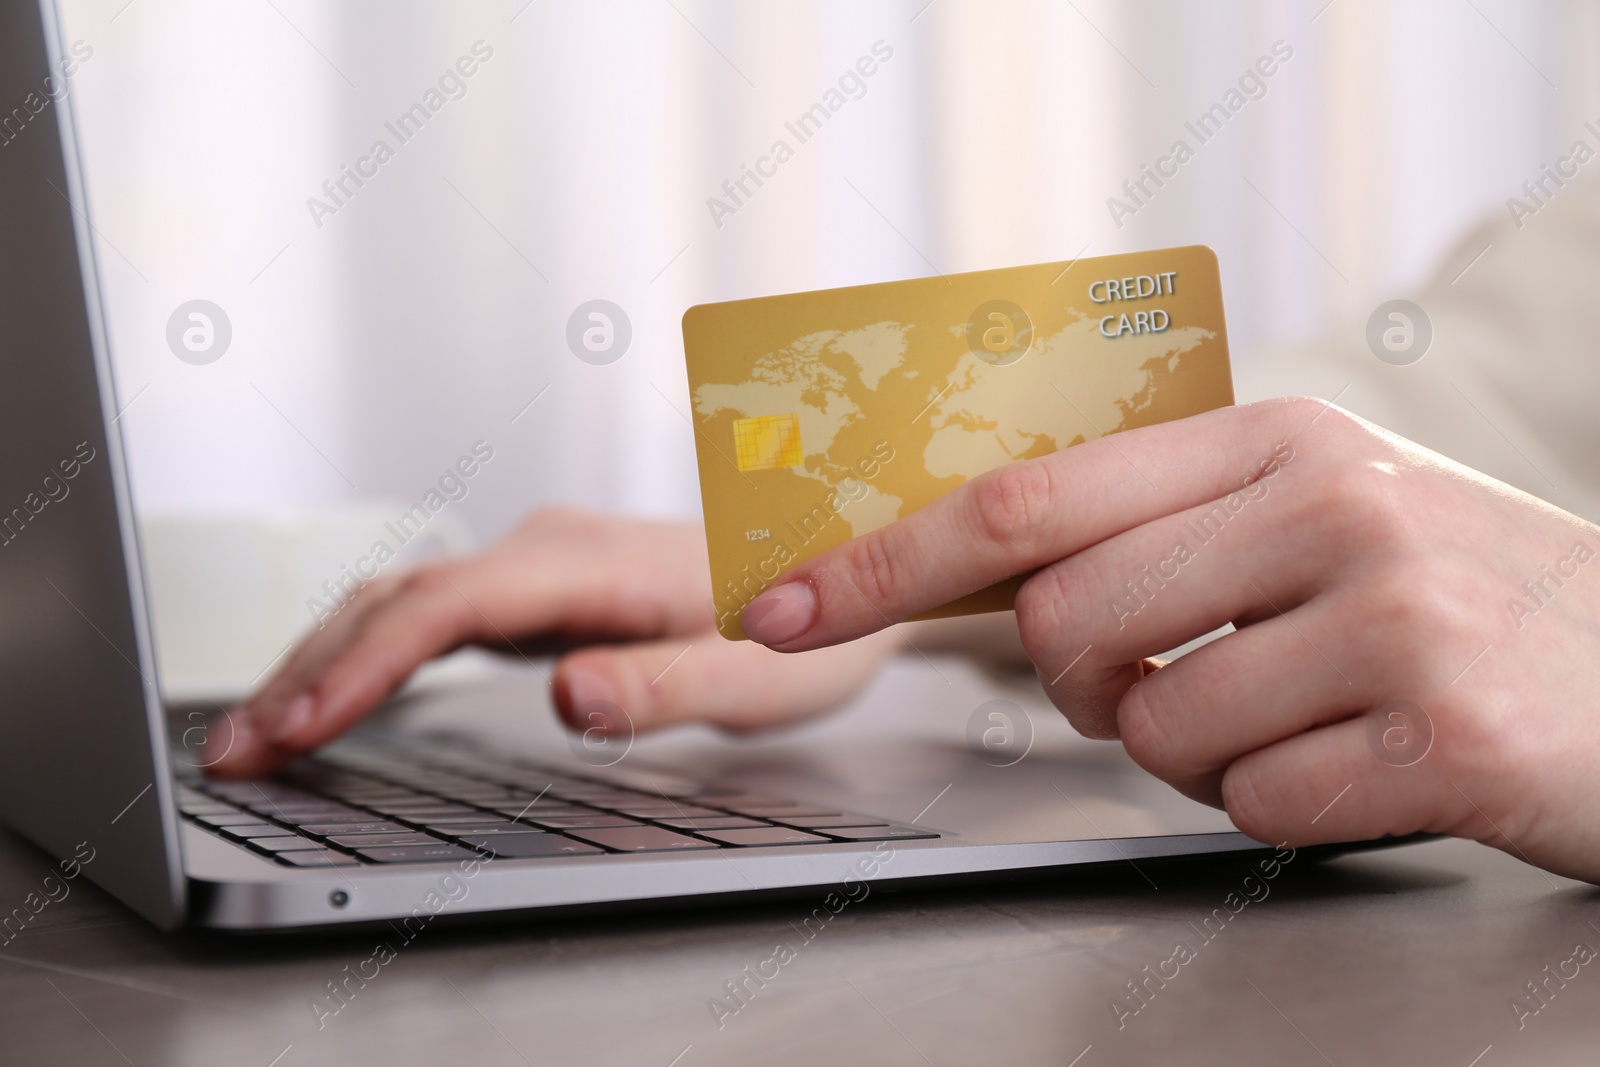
390 825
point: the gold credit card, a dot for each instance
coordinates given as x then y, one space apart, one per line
820 416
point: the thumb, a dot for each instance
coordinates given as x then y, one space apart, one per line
704 678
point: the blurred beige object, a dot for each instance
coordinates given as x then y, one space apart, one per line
1510 382
230 592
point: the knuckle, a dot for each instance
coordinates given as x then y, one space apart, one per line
1090 702
1420 629
871 565
438 605
554 516
1304 404
559 513
1404 605
1085 708
1248 800
1289 414
1477 740
428 580
1417 614
1374 505
1144 721
1012 504
1041 604
1365 511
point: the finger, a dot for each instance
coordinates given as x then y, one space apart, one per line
1329 785
734 685
1017 518
436 612
313 652
1189 721
232 747
1236 559
243 736
427 615
1085 619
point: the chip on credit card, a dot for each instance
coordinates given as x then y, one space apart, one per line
822 416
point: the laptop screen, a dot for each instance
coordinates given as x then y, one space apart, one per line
83 765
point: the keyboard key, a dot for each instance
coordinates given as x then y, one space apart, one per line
273 806
523 811
720 822
580 822
368 840
648 783
530 846
536 783
454 819
318 817
765 835
777 811
201 808
285 809
483 829
249 790
317 857
811 822
730 797
366 794
413 809
362 785
417 853
877 833
256 829
664 811
233 818
371 826
601 797
641 839
281 844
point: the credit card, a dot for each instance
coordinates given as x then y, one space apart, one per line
821 416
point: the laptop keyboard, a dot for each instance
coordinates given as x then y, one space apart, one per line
353 806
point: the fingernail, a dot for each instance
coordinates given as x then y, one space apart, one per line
590 696
780 614
294 719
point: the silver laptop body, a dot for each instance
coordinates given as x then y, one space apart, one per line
87 770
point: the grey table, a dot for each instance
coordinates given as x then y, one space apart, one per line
1415 955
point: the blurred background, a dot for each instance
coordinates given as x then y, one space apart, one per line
379 331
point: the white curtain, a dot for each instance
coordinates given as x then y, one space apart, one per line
372 346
